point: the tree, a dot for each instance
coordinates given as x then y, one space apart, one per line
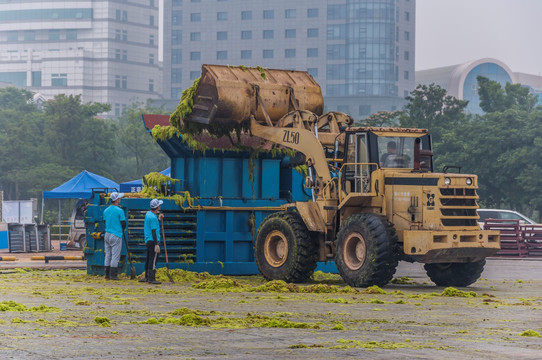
382 119
140 153
66 131
431 108
495 98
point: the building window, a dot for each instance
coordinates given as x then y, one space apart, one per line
29 35
124 16
343 108
194 75
336 32
151 20
151 39
36 78
246 54
221 55
195 1
72 34
246 15
268 14
313 72
117 15
117 54
124 55
407 35
246 35
312 33
54 34
195 36
405 75
364 110
222 35
268 54
117 34
176 18
124 82
407 16
289 53
336 52
177 2
176 56
117 109
289 33
289 13
337 12
312 52
151 59
117 81
151 85
221 16
59 79
312 13
12 36
407 55
195 55
195 17
176 76
176 37
124 35
152 3
268 34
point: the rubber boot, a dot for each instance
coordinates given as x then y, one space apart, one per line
108 272
114 273
152 278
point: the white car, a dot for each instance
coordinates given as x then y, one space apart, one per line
503 214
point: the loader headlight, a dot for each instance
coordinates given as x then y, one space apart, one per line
447 181
469 181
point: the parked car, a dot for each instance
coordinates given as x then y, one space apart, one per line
503 214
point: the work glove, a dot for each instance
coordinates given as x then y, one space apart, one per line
97 235
157 249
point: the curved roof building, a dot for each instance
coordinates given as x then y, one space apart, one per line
460 80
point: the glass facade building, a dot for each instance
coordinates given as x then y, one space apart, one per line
361 52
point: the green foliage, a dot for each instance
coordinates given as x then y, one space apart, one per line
494 98
382 119
137 153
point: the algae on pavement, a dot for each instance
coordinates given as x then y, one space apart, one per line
65 314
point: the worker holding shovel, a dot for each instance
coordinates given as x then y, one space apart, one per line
152 240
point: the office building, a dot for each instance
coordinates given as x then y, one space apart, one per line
107 51
360 52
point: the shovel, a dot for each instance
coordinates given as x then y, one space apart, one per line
165 250
132 268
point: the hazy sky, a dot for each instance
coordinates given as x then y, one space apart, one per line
451 32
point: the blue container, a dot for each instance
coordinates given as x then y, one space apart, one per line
4 240
235 191
63 246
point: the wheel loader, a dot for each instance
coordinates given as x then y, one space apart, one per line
375 198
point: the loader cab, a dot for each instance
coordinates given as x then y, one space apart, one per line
369 149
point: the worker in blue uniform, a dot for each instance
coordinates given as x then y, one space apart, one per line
115 223
152 240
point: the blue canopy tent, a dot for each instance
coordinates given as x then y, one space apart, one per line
78 187
136 185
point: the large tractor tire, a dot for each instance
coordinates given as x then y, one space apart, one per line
367 250
284 248
455 274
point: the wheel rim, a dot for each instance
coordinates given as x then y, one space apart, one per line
276 248
354 251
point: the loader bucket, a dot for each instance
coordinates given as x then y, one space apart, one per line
228 95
